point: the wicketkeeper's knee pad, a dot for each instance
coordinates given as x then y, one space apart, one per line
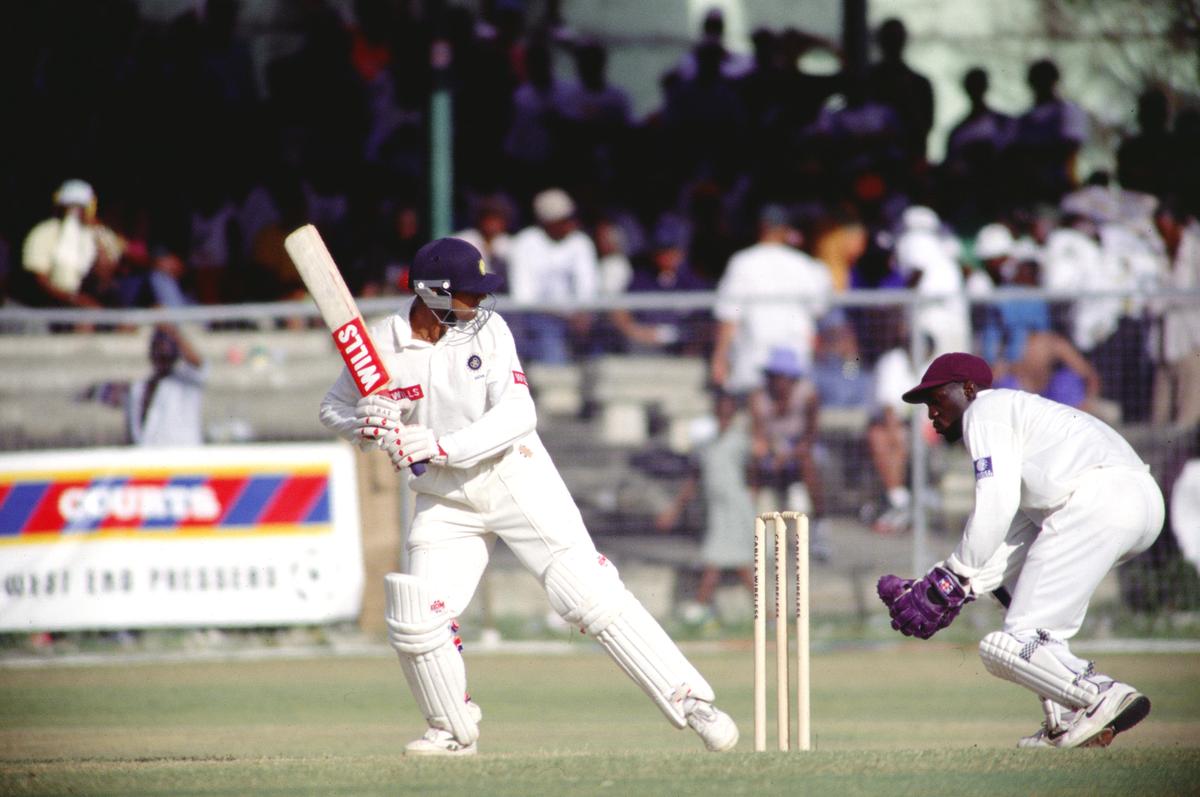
422 634
1042 664
586 590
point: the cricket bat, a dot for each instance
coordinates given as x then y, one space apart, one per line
327 288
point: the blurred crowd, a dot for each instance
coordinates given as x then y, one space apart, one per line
176 170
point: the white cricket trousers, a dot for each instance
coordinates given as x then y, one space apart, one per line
1115 514
521 500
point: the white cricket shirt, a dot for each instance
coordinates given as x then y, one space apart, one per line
1029 455
470 390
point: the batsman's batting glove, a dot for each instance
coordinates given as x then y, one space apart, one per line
375 409
414 445
930 604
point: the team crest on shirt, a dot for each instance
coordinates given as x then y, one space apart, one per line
474 362
983 468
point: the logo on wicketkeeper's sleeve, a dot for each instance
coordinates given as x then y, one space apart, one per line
983 468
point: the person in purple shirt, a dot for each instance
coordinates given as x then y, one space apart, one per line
665 270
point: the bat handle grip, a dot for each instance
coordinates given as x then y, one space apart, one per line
418 468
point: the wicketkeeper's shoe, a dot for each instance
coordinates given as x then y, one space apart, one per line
715 727
1117 708
439 742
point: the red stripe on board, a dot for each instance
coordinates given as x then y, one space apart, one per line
45 518
137 520
293 500
227 490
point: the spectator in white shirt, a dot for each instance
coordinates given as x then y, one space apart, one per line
1131 258
59 252
927 259
1177 379
769 297
1072 261
165 408
552 263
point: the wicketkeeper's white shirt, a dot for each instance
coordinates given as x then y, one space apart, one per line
1029 454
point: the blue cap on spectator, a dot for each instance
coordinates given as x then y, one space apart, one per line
671 233
784 362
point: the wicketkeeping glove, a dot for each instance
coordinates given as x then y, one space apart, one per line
928 605
890 588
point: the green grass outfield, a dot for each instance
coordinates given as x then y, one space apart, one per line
915 718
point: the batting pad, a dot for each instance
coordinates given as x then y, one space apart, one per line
587 591
432 664
1032 663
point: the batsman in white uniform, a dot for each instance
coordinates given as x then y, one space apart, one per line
459 406
1060 499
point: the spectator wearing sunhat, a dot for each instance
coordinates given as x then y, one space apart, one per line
61 251
994 245
552 265
927 257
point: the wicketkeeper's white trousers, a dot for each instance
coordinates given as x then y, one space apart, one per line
1114 515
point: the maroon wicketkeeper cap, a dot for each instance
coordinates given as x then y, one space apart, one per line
954 367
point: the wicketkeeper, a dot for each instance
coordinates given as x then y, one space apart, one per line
460 404
1060 499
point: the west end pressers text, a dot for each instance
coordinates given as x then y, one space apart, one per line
64 582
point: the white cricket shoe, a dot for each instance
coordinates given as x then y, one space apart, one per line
439 742
1058 719
715 727
1049 738
1117 708
1042 737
